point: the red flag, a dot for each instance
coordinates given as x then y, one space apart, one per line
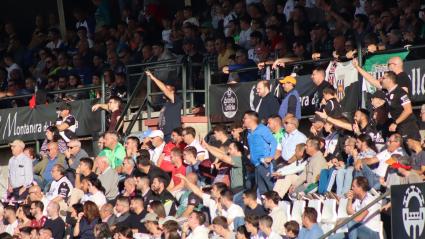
32 103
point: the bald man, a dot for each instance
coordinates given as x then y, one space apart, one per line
395 64
35 194
108 177
55 222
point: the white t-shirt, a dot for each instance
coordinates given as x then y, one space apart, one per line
156 153
199 149
61 188
207 201
233 212
98 198
373 218
383 156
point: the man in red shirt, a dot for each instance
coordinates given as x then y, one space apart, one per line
37 212
176 183
176 141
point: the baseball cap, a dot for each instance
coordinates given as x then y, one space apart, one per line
156 133
288 79
18 142
379 94
150 217
64 106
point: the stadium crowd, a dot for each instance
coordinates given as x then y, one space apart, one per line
258 178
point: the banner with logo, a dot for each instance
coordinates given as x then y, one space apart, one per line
408 211
376 65
229 102
344 78
30 124
416 72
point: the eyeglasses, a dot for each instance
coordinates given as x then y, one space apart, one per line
286 123
71 147
390 63
47 150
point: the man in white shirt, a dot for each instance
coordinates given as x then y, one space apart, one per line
367 224
271 202
189 135
20 170
61 186
266 223
291 139
10 216
156 137
195 223
234 213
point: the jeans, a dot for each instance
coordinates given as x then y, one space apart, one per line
357 231
344 178
237 199
325 180
370 175
263 179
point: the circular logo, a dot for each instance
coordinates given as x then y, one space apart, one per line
229 103
413 219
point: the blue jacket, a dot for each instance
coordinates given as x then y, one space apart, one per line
261 144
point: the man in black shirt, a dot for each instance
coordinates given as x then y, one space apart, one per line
55 222
138 212
330 103
252 208
170 115
144 165
318 77
268 105
161 194
66 123
400 107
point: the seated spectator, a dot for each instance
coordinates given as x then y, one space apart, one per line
176 142
145 165
265 225
162 194
114 151
292 229
231 211
11 219
189 201
251 206
242 61
97 192
221 228
87 221
107 214
176 184
271 203
52 135
138 212
42 170
129 188
311 228
367 224
54 221
156 138
189 135
252 226
108 177
121 210
195 224
74 153
60 187
39 219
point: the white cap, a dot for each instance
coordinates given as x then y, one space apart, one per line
156 133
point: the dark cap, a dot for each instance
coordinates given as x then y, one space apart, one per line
414 137
317 118
379 94
64 106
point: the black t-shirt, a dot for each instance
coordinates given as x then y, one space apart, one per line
269 106
318 96
333 108
374 134
403 80
133 222
194 200
396 99
257 211
57 227
165 197
170 116
155 171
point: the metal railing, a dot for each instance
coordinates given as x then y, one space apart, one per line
351 218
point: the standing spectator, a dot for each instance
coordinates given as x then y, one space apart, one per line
367 224
20 171
262 147
310 227
268 105
108 177
275 125
55 222
223 52
43 168
114 109
291 104
75 153
330 103
271 202
196 225
318 77
169 118
66 122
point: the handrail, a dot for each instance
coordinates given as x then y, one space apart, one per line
349 219
53 92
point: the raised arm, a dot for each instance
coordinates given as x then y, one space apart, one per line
366 75
167 92
338 123
192 187
218 153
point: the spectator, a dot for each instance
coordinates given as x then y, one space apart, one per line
97 192
66 122
176 184
20 171
114 109
330 103
265 225
262 151
145 166
54 222
271 202
195 224
43 168
318 78
170 117
52 135
252 226
107 214
87 221
37 208
113 150
132 145
310 227
291 139
291 104
121 210
160 192
189 135
221 228
417 158
274 123
138 212
11 219
252 208
242 61
108 177
75 153
268 105
60 187
156 138
223 53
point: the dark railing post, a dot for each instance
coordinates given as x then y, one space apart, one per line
207 79
102 101
184 88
